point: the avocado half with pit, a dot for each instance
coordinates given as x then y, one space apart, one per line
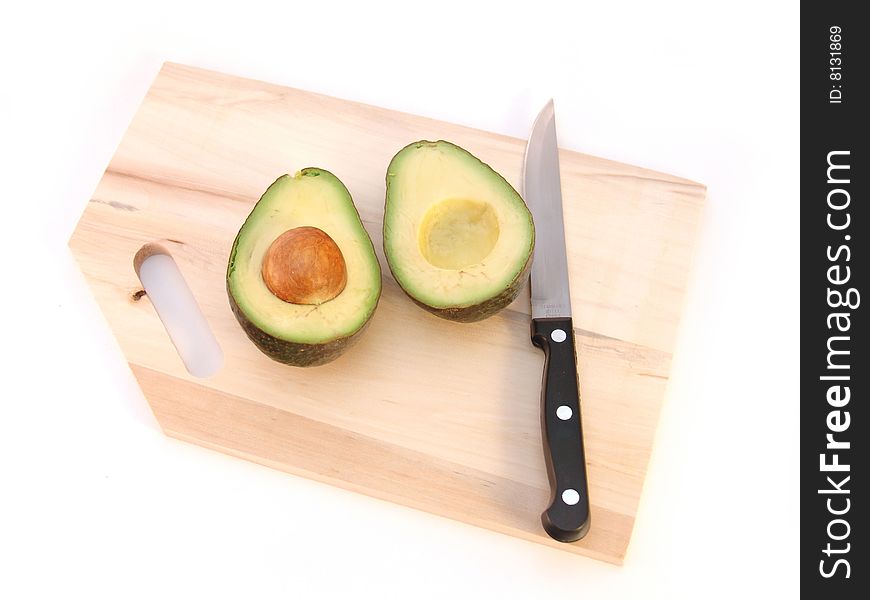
303 279
458 237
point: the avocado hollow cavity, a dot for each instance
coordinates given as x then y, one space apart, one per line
458 233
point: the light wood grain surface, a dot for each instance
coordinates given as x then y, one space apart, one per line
432 414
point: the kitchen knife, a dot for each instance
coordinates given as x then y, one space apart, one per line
567 517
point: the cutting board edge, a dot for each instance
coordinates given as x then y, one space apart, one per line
253 438
168 66
614 558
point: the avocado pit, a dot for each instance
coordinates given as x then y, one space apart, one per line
304 266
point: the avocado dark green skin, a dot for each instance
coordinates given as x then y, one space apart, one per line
293 353
484 310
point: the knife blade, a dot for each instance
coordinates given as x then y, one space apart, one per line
567 518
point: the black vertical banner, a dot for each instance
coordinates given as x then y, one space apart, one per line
835 368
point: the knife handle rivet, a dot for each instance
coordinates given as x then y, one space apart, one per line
558 335
570 497
564 412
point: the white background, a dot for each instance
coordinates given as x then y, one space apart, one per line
97 503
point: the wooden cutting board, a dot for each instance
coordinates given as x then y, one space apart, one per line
431 414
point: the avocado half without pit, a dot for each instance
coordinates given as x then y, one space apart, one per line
458 237
303 279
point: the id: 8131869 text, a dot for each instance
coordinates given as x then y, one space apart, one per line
835 64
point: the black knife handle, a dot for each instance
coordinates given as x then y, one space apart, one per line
567 518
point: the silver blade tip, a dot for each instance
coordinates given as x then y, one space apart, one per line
548 110
548 113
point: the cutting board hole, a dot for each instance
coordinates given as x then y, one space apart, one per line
178 310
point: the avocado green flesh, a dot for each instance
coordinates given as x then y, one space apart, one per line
296 333
482 310
458 238
292 353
